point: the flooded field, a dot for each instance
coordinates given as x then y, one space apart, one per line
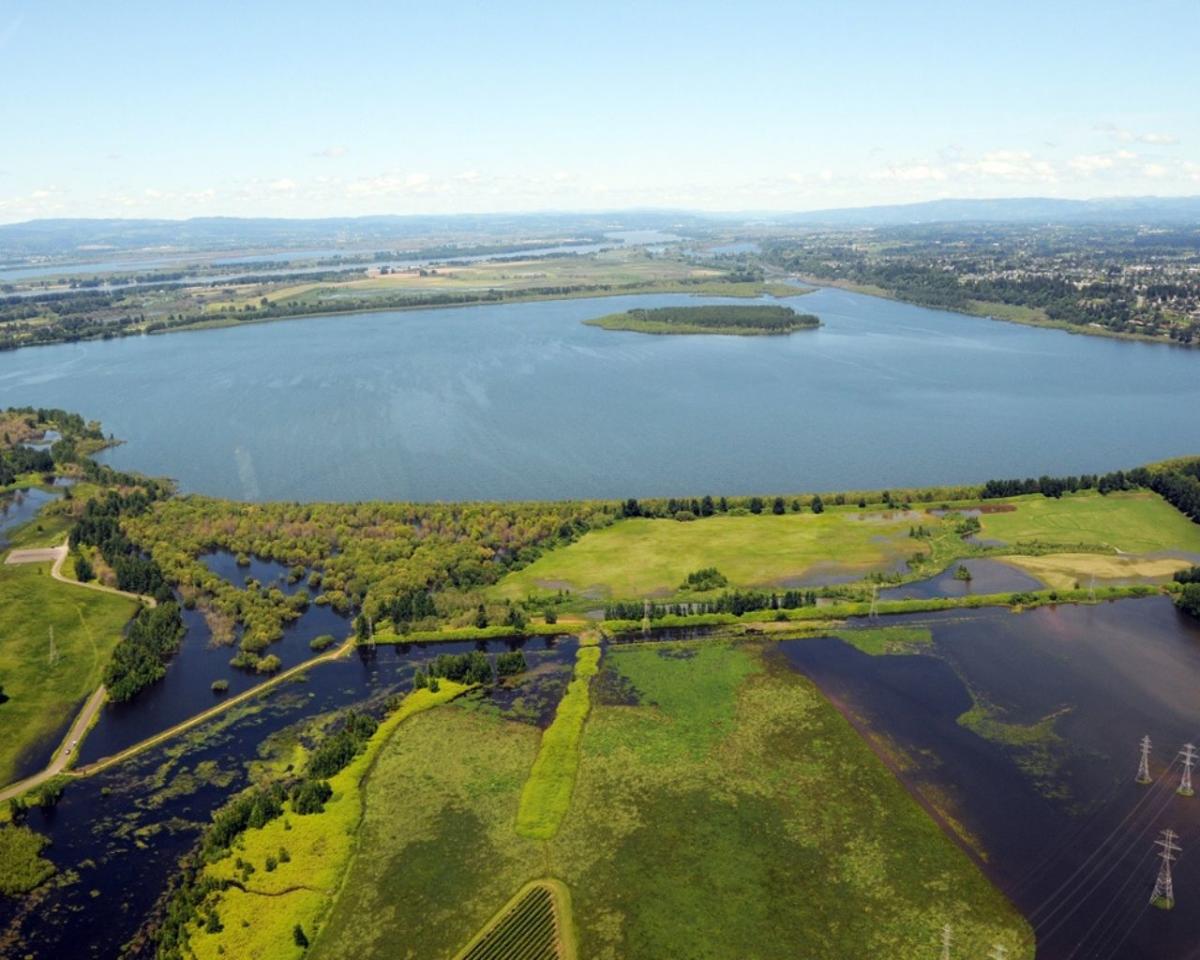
1021 733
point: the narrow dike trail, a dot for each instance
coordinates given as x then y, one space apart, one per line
91 708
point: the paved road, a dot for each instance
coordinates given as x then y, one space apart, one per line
58 763
61 756
205 715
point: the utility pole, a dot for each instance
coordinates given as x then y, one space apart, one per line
1163 896
1185 783
1143 774
874 611
946 940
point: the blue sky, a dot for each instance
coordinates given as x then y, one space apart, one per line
173 109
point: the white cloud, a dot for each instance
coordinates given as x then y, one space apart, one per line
282 185
911 173
1154 170
1129 136
1010 165
332 153
1089 163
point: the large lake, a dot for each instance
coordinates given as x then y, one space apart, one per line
524 401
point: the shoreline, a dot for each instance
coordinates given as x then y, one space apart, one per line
868 290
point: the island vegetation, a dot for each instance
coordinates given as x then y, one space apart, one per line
749 320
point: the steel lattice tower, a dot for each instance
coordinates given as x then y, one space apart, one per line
1188 753
1164 890
1143 774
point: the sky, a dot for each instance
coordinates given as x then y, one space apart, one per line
298 109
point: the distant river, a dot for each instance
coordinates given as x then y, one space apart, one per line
524 401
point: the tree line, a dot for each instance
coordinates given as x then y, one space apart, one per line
736 602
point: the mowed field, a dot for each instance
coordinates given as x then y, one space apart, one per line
641 557
43 696
1136 522
647 558
613 268
722 809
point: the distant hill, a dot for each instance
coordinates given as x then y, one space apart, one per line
92 237
60 239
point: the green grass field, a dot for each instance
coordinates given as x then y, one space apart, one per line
641 557
722 809
42 697
1131 522
650 558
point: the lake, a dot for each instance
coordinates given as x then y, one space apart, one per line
523 401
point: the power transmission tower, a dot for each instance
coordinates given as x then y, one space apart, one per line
998 953
946 940
1164 890
53 649
1143 774
874 611
645 616
1185 783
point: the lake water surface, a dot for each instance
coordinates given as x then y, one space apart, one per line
522 400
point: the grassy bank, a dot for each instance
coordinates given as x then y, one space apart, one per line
308 856
44 692
547 793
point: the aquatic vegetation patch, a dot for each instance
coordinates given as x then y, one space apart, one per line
22 867
547 793
1036 748
881 641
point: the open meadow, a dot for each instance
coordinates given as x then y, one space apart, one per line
42 692
1082 534
717 795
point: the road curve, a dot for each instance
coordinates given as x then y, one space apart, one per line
62 755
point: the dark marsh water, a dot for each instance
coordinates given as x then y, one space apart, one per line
117 837
1067 832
